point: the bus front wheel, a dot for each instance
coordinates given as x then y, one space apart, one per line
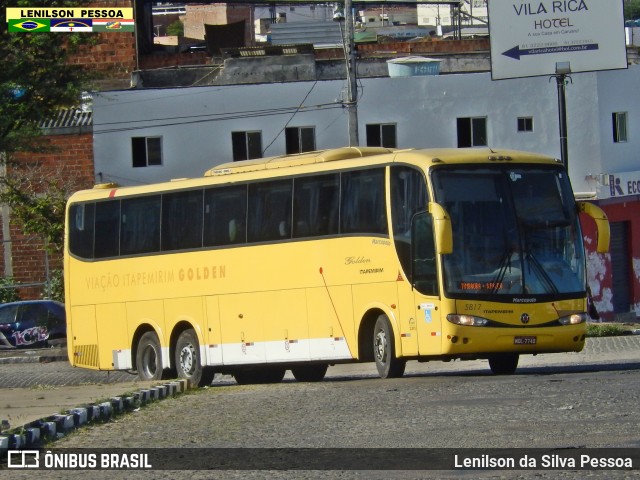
504 363
384 352
148 357
188 360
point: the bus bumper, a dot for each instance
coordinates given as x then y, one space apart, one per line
465 340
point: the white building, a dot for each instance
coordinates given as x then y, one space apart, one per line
152 135
474 13
191 128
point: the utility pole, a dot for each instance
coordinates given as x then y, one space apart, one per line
563 69
352 84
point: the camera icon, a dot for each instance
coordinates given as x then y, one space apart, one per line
23 459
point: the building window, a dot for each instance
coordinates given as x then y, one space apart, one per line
146 151
472 132
619 121
525 124
381 135
300 139
246 145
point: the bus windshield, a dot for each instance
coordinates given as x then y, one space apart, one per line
515 232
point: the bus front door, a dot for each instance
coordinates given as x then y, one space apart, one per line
424 283
420 325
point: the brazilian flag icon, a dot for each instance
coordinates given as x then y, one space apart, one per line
29 25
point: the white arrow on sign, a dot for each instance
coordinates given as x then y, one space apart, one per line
516 52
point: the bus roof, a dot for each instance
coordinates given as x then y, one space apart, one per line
441 155
368 155
308 158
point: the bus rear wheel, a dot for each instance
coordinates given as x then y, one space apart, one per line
188 360
148 357
504 363
384 352
310 373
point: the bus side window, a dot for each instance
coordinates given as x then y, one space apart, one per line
408 197
182 220
225 213
363 206
316 202
81 229
270 211
107 242
140 225
424 272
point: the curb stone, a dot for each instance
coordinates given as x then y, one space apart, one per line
40 432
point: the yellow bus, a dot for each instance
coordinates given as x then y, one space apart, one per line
346 255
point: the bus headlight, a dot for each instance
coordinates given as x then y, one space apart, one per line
574 319
467 320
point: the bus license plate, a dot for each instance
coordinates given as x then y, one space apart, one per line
524 340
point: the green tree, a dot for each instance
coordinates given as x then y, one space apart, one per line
35 78
632 9
7 291
37 198
36 81
176 28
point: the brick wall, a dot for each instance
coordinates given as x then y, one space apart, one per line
113 58
71 161
426 47
162 60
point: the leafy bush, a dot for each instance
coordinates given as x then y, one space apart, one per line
605 330
7 292
54 288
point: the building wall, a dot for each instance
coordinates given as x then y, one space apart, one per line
113 56
196 124
69 162
599 266
217 14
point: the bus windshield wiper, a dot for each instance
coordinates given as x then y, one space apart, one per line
503 266
539 269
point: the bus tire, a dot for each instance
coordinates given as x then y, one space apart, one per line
148 355
188 360
310 373
504 363
388 365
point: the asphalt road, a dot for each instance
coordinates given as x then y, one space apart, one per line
560 401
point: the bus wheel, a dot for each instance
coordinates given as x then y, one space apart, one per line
384 350
188 361
310 373
504 364
148 357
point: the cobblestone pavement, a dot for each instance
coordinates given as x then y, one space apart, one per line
50 367
586 399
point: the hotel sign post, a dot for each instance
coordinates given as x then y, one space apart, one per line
556 38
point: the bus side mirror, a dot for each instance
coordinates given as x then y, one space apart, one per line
442 227
602 224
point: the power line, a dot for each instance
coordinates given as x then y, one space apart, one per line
235 116
292 115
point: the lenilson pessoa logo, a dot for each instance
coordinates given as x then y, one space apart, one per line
70 20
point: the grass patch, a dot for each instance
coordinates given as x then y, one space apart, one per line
605 330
